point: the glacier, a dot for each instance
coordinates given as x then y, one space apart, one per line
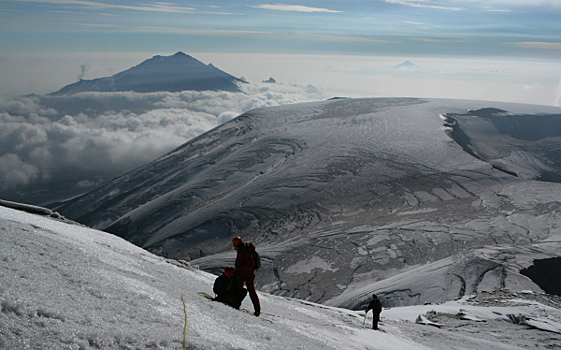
346 197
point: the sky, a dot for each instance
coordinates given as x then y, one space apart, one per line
338 45
65 286
493 50
390 27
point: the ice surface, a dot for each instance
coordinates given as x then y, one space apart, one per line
65 286
339 195
527 145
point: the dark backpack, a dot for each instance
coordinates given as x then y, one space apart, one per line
255 255
256 260
223 285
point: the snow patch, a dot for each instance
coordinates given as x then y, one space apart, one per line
308 265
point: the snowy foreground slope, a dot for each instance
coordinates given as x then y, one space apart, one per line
64 286
347 197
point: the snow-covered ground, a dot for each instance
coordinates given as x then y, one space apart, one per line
65 286
341 195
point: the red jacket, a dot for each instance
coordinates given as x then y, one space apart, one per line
245 265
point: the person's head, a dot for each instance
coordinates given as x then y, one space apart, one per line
237 242
229 271
374 296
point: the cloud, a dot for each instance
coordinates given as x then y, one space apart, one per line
198 31
488 9
558 94
86 139
156 7
297 8
335 38
538 45
525 3
256 34
425 4
226 116
25 106
531 87
14 172
485 4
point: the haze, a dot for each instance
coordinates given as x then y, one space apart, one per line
504 50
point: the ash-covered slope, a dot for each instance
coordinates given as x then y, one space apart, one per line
340 194
174 73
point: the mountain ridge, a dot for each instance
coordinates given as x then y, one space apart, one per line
178 72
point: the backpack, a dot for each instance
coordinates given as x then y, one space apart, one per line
250 248
256 260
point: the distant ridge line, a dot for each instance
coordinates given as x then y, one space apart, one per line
175 73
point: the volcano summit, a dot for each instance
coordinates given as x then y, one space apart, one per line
174 73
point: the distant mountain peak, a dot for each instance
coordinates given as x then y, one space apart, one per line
407 65
178 72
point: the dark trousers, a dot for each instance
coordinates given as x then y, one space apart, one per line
251 289
375 319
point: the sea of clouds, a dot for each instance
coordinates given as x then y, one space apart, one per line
53 147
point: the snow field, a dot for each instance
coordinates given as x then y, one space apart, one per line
64 286
69 287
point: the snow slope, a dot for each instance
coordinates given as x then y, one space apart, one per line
65 286
341 194
89 138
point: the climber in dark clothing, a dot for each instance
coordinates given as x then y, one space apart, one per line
227 290
245 270
376 307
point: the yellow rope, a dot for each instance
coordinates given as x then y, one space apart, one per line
184 328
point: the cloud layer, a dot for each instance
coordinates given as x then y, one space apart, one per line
298 8
86 139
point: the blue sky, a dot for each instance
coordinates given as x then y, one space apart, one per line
343 46
380 27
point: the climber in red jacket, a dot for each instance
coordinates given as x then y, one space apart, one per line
245 270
